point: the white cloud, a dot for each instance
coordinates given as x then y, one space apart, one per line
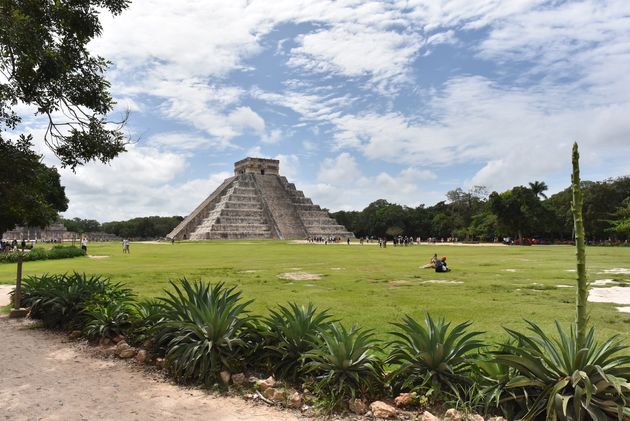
178 140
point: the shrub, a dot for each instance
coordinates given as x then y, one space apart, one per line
291 332
567 381
108 320
202 330
60 300
432 356
56 252
147 315
346 365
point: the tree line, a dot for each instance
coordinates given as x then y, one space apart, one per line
520 212
147 227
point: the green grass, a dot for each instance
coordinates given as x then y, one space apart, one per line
368 285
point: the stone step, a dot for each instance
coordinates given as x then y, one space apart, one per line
240 227
244 205
319 221
241 220
243 213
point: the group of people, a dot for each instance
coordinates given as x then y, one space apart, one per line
438 264
7 246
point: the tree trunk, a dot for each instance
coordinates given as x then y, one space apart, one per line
581 317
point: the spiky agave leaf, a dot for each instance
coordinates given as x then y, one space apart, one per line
432 355
568 380
202 330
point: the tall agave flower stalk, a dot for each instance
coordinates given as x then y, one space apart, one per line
581 317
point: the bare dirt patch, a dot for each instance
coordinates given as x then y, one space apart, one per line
98 257
250 271
441 281
601 282
5 300
615 295
400 283
300 276
510 270
616 271
564 286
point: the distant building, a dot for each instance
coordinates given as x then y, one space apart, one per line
53 233
257 203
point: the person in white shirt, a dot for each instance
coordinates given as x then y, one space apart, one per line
84 244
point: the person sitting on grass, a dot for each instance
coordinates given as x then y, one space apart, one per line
440 265
431 264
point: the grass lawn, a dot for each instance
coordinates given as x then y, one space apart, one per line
492 286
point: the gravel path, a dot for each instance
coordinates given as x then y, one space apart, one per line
46 377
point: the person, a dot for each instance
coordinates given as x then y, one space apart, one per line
440 265
126 245
84 244
431 264
348 240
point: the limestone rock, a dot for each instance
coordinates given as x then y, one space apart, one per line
128 352
75 334
269 393
266 384
357 406
497 419
382 410
119 338
405 399
452 415
238 379
160 363
295 401
104 342
279 395
427 416
121 346
474 417
142 356
225 377
147 344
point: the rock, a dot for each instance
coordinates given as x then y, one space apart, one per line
104 342
295 401
160 363
279 395
75 334
474 417
128 352
266 384
142 357
357 406
147 344
225 377
382 410
452 415
427 416
269 393
119 338
405 399
497 419
122 345
238 379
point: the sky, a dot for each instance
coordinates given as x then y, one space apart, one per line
359 100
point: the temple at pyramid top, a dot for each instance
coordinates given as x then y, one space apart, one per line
257 203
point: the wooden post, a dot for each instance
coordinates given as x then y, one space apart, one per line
18 312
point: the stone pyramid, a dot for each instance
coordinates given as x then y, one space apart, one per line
257 203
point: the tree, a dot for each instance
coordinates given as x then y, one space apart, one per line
45 64
30 192
539 187
621 223
519 211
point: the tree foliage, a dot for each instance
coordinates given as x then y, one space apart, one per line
45 63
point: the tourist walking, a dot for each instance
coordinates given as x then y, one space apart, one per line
125 244
84 244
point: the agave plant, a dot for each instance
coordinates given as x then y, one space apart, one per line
432 356
567 381
146 318
290 333
346 364
60 300
108 320
202 330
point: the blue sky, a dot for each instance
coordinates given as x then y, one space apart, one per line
402 100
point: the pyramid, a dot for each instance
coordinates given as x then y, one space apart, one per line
257 203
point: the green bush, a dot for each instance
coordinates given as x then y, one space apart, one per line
108 320
38 253
346 365
203 329
290 332
60 301
147 315
567 381
432 356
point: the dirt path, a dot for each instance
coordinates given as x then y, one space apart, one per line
46 377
